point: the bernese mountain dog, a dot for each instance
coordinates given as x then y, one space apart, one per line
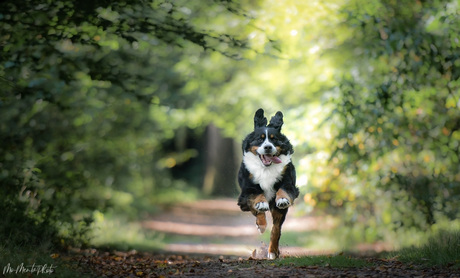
267 176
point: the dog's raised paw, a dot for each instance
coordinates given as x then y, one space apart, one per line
283 203
262 206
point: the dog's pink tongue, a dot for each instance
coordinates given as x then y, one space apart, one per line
274 159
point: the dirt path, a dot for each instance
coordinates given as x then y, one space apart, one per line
215 239
120 264
218 227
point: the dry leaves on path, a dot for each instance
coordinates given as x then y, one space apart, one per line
133 264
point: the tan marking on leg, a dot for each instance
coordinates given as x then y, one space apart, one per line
273 247
283 200
261 222
259 198
283 194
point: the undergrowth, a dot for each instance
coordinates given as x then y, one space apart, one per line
117 232
441 249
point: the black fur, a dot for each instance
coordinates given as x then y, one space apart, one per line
249 189
259 119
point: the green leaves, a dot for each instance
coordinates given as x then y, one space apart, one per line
89 94
395 114
93 94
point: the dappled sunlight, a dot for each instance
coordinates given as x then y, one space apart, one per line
121 122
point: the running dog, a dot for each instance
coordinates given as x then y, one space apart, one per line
267 176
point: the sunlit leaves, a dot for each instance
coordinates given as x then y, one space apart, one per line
396 111
370 92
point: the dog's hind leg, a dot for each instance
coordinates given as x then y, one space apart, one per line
278 219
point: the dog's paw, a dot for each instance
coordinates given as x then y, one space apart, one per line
261 228
262 206
283 203
272 256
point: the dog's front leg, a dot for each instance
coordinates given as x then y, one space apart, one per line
261 222
260 203
258 208
283 200
278 219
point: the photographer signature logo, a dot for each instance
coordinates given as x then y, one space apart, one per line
36 269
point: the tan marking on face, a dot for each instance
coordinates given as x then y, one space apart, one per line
262 136
272 136
278 150
253 149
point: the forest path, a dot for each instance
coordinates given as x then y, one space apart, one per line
219 227
213 238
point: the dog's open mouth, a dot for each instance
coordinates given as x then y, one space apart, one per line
267 159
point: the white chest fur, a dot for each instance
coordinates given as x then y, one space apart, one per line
266 177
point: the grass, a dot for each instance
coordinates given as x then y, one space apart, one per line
441 249
337 261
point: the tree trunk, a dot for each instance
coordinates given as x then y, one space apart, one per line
222 159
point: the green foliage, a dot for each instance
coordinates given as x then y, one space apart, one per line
95 97
392 161
115 231
442 249
90 94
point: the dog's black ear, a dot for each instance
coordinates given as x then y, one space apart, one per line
259 119
277 121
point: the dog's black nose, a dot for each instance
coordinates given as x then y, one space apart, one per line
268 148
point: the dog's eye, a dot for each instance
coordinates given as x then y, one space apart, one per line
272 136
262 136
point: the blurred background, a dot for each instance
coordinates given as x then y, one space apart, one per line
120 117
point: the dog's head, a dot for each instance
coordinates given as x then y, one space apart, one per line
267 141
